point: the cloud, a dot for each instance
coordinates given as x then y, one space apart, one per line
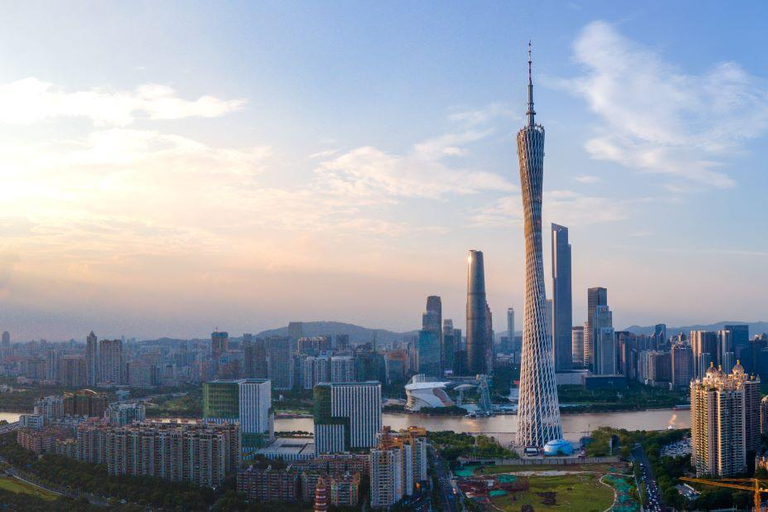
562 206
371 174
588 180
658 119
31 100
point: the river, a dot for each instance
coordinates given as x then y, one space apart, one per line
504 427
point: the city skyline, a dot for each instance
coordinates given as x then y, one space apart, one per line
230 176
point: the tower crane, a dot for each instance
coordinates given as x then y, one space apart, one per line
736 483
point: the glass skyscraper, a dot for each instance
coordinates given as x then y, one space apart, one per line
562 300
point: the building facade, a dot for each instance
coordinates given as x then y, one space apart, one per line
562 299
478 342
347 416
725 422
245 401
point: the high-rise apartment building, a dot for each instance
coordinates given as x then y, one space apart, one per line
73 371
347 416
317 369
705 351
595 297
110 361
398 463
477 316
92 359
6 343
280 362
538 411
122 413
682 365
725 421
194 452
342 369
577 345
244 401
764 416
562 298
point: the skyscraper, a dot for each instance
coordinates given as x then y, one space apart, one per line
562 299
432 321
6 340
605 342
247 401
429 353
577 344
595 297
92 359
111 361
704 344
347 416
538 410
508 342
281 365
725 421
450 344
477 319
682 365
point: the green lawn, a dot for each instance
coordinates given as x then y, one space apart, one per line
582 492
17 486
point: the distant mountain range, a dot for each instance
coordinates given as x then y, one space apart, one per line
357 334
754 328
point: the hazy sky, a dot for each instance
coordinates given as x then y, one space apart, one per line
171 167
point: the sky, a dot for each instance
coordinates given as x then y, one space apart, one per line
169 168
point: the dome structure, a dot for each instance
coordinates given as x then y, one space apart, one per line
558 447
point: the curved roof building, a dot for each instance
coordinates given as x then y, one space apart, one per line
426 394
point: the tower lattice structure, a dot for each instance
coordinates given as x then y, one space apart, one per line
538 410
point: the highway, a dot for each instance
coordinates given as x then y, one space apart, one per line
449 500
652 493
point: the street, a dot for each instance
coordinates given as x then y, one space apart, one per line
449 500
652 494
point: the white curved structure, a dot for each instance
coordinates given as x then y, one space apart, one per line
426 394
538 413
558 447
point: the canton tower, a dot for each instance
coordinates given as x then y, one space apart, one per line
538 416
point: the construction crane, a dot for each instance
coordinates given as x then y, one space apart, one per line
755 487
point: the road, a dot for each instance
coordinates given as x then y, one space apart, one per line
448 499
652 493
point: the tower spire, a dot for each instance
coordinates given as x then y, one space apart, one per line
530 113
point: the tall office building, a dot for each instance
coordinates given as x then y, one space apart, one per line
347 416
725 421
704 344
595 297
429 353
6 340
110 361
432 320
508 341
682 365
280 368
255 358
606 356
577 345
562 298
741 346
725 350
477 320
538 411
247 401
449 344
660 334
92 359
764 416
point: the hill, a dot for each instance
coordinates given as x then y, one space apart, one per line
356 333
754 328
